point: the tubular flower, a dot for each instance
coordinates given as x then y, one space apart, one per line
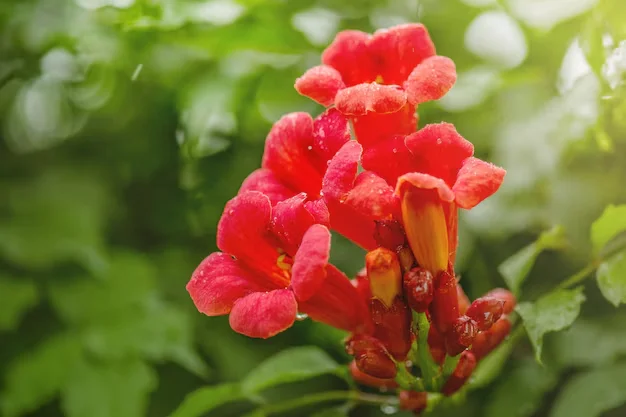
280 267
378 80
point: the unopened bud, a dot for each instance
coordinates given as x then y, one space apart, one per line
444 309
389 234
462 372
485 311
376 363
383 271
506 296
419 289
464 301
406 258
436 345
392 326
368 380
461 335
413 401
488 340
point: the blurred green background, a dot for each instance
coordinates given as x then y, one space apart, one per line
127 124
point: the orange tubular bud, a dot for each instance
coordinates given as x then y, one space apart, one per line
368 380
462 372
392 326
385 275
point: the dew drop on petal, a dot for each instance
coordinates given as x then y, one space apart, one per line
388 409
301 316
309 147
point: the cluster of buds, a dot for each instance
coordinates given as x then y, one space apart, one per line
362 169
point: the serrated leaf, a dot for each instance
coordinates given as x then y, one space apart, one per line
203 400
611 277
17 296
521 391
290 365
516 268
551 313
108 389
37 376
590 394
607 226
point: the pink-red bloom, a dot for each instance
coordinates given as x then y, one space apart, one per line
274 264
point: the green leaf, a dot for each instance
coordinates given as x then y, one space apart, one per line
592 393
331 412
607 226
516 268
521 391
551 313
290 365
18 296
37 376
108 389
611 275
203 400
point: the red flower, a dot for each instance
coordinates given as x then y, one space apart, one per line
386 74
280 267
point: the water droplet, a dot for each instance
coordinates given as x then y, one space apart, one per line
301 316
231 211
388 409
408 364
439 141
394 150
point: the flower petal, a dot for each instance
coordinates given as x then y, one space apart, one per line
338 304
319 211
289 153
399 49
309 267
440 149
372 197
376 127
243 232
370 98
264 314
425 182
265 181
348 54
390 159
477 180
430 80
330 131
290 220
320 84
218 282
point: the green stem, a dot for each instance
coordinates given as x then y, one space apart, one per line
579 276
320 397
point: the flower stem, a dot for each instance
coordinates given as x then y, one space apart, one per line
320 397
578 277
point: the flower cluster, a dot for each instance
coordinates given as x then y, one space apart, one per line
392 190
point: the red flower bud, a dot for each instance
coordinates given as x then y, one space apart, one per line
365 379
464 302
461 335
462 372
444 309
413 401
389 234
488 340
376 363
436 345
506 296
485 311
392 326
358 343
419 289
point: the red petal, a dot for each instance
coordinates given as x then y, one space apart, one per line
372 197
319 211
264 314
330 131
265 181
218 282
321 84
399 49
389 159
440 149
425 182
290 220
337 303
309 267
289 153
375 127
430 80
243 232
370 98
477 180
348 54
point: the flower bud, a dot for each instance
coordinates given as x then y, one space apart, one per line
413 401
406 258
368 380
376 363
464 302
389 234
383 271
436 345
506 296
461 335
462 372
444 309
488 340
419 289
485 311
392 326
